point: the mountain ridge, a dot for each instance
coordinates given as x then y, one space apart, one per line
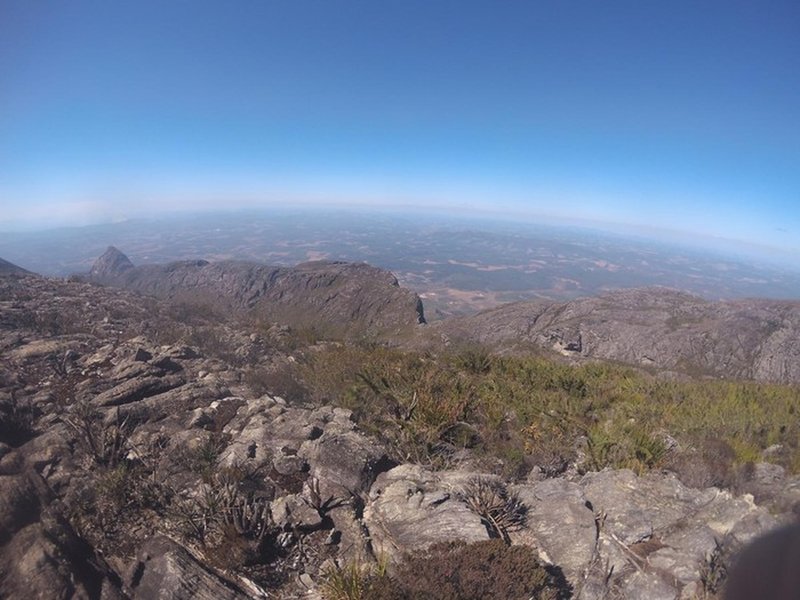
8 268
656 327
338 297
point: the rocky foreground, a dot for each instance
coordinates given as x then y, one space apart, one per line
134 463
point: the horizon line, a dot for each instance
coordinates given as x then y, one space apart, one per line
510 214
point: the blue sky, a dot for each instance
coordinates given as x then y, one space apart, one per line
674 115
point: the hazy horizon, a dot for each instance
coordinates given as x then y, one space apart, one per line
443 216
459 263
660 118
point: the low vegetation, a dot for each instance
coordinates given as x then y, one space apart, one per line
451 571
501 511
534 411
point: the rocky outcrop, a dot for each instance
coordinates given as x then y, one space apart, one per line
332 297
411 508
41 555
560 524
166 569
609 532
655 328
656 535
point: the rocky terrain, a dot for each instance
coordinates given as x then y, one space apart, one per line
339 298
140 457
657 328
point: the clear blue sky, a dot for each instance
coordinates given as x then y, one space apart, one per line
681 115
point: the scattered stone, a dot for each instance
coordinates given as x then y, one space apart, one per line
168 364
333 538
764 481
345 463
289 465
199 419
293 512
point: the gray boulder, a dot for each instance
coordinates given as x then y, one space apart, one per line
345 463
167 571
559 525
411 508
655 535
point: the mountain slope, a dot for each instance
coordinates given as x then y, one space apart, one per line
653 327
334 297
7 268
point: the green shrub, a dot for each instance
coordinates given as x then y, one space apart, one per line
524 411
450 571
230 522
625 446
501 511
280 380
710 463
353 581
714 572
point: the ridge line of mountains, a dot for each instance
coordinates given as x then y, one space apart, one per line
340 298
659 329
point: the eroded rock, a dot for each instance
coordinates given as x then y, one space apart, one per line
164 569
410 509
559 524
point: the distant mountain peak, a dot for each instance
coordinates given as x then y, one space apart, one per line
110 264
